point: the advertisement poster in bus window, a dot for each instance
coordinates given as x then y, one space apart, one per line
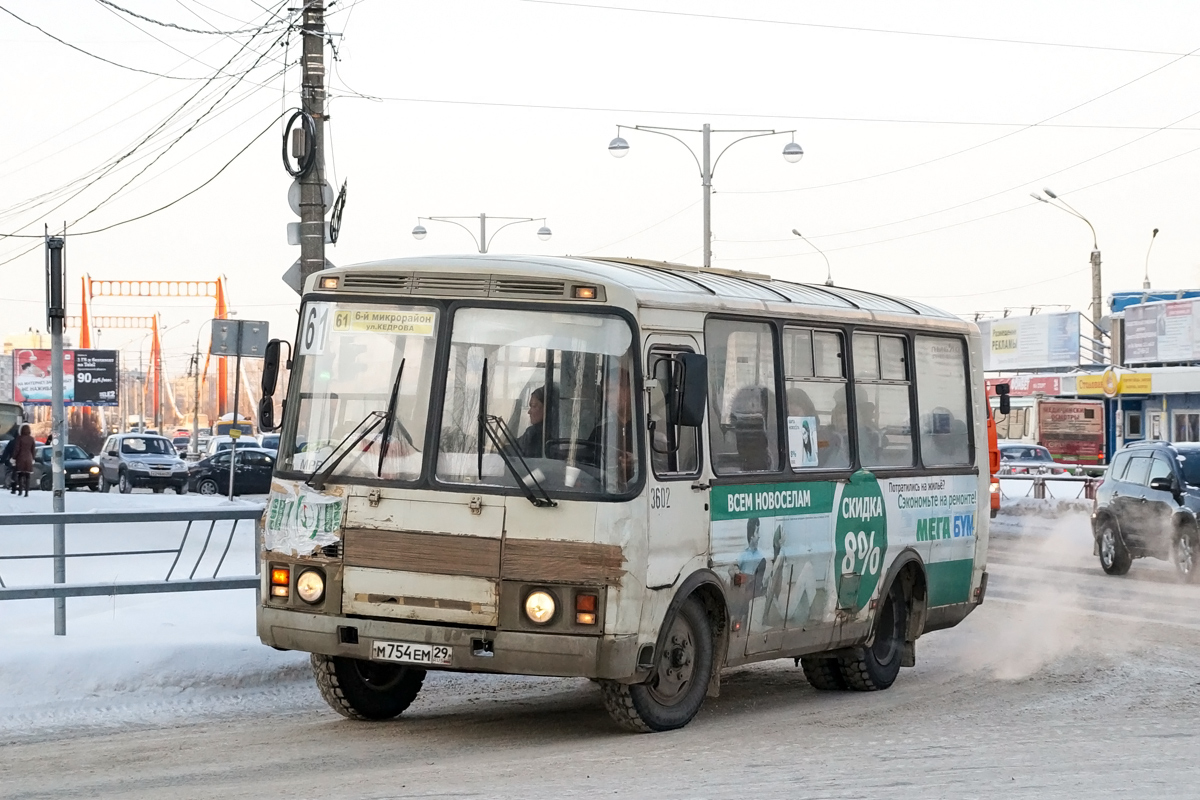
772 546
802 442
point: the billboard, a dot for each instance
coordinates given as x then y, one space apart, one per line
1035 342
6 380
1162 332
89 377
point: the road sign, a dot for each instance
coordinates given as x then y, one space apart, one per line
292 276
227 333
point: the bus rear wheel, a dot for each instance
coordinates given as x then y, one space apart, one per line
673 695
366 690
874 668
824 673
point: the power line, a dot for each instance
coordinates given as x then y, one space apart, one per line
93 55
174 26
853 28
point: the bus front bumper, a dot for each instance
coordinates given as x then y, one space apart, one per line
472 650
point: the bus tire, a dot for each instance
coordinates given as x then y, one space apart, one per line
874 668
1114 557
673 695
366 690
823 672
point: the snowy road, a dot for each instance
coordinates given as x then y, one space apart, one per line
1066 684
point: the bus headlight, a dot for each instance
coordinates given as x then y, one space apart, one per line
995 487
539 607
310 586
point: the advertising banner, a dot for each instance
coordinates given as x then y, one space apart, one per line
1026 385
89 377
1035 342
6 380
1162 332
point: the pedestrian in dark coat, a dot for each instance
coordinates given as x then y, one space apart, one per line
10 448
26 447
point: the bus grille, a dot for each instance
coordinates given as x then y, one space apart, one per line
376 282
454 285
526 287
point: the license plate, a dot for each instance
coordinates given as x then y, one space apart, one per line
79 477
410 653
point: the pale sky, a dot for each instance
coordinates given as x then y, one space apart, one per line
923 135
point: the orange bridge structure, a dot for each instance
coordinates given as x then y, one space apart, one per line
153 290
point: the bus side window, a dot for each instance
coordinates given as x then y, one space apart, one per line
743 422
885 436
818 433
674 450
942 401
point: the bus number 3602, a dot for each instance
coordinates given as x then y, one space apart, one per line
660 497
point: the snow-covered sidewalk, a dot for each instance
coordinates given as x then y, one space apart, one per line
130 659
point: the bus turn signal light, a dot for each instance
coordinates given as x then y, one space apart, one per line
585 292
585 609
329 283
281 579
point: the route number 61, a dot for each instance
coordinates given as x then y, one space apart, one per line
315 329
861 551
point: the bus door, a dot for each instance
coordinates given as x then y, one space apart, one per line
678 513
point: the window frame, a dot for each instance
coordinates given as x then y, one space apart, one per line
845 381
917 466
429 479
663 477
765 476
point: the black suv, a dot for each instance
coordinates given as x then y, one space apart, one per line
1147 505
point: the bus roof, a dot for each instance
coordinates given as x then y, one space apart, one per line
652 283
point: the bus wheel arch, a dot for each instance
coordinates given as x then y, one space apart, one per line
907 574
693 635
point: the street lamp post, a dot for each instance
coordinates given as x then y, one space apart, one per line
195 444
619 148
828 269
1097 293
483 241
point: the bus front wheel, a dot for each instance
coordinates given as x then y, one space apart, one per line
676 690
871 669
367 690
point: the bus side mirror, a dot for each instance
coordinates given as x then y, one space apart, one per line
270 371
1005 403
693 389
266 413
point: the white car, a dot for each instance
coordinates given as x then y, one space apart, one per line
218 443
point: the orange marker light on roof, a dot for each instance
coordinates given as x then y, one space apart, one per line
585 292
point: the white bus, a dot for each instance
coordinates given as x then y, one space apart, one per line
630 471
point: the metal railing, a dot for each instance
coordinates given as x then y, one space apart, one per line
60 589
1040 489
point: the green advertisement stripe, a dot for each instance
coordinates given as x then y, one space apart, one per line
949 581
772 500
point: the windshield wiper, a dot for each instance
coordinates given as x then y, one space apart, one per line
389 420
486 423
321 474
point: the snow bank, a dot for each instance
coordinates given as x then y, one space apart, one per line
130 659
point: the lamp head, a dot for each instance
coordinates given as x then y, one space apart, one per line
543 233
1154 233
1050 194
618 147
798 233
793 152
419 232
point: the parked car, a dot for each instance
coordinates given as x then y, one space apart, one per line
132 460
80 470
1147 506
252 471
219 444
269 441
1028 459
181 443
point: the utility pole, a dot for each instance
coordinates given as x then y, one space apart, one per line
56 303
195 447
312 183
1097 296
706 181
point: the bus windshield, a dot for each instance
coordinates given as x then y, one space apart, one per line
350 356
558 405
